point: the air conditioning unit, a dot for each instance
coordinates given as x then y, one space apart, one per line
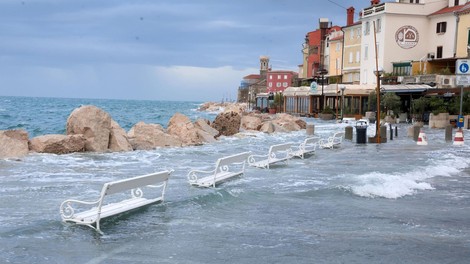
431 55
447 81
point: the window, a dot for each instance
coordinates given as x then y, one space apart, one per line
278 76
456 2
314 50
270 77
468 41
338 46
441 27
358 33
270 84
284 84
338 65
358 56
439 52
350 57
367 28
351 34
285 76
402 69
379 25
366 52
278 85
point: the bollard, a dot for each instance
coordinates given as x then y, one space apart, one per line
458 139
310 129
416 130
391 132
422 139
448 135
383 134
396 131
348 132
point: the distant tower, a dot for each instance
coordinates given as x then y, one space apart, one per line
264 66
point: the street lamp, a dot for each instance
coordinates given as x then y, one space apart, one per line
378 73
322 72
342 99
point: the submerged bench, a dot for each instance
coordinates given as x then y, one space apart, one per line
308 146
332 141
79 212
276 153
225 168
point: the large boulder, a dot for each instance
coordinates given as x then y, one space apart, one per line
204 125
249 122
13 143
267 127
227 123
144 136
57 144
118 140
94 124
182 127
289 122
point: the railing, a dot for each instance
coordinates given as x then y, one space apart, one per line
440 81
373 9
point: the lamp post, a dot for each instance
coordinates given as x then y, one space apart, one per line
378 73
322 72
342 100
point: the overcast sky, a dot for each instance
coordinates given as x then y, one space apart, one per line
188 50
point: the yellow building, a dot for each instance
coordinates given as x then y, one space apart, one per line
351 50
335 46
463 31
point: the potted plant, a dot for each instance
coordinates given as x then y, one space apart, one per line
272 107
327 113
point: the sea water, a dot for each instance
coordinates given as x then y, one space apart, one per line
390 203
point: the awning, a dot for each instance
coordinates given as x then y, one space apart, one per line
405 88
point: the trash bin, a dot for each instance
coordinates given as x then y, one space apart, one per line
361 132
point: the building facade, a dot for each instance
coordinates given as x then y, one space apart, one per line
352 33
278 81
396 33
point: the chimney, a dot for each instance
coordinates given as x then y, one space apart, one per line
350 19
374 2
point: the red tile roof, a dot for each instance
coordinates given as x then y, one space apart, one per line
464 9
446 10
252 76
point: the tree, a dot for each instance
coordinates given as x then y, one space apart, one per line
418 107
391 102
372 101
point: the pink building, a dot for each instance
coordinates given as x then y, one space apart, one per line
278 81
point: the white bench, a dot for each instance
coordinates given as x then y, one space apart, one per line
308 146
79 212
276 153
225 168
332 141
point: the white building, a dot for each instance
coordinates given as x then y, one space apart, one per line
406 31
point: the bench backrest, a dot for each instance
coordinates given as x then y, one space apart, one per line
226 161
311 140
280 147
132 183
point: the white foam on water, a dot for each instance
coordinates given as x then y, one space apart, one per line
399 184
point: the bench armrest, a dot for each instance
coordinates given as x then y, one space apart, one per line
252 158
193 175
67 210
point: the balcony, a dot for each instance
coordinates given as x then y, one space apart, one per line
435 80
373 10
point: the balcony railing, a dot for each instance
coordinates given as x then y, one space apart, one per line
436 80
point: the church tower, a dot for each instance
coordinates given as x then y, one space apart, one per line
264 66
